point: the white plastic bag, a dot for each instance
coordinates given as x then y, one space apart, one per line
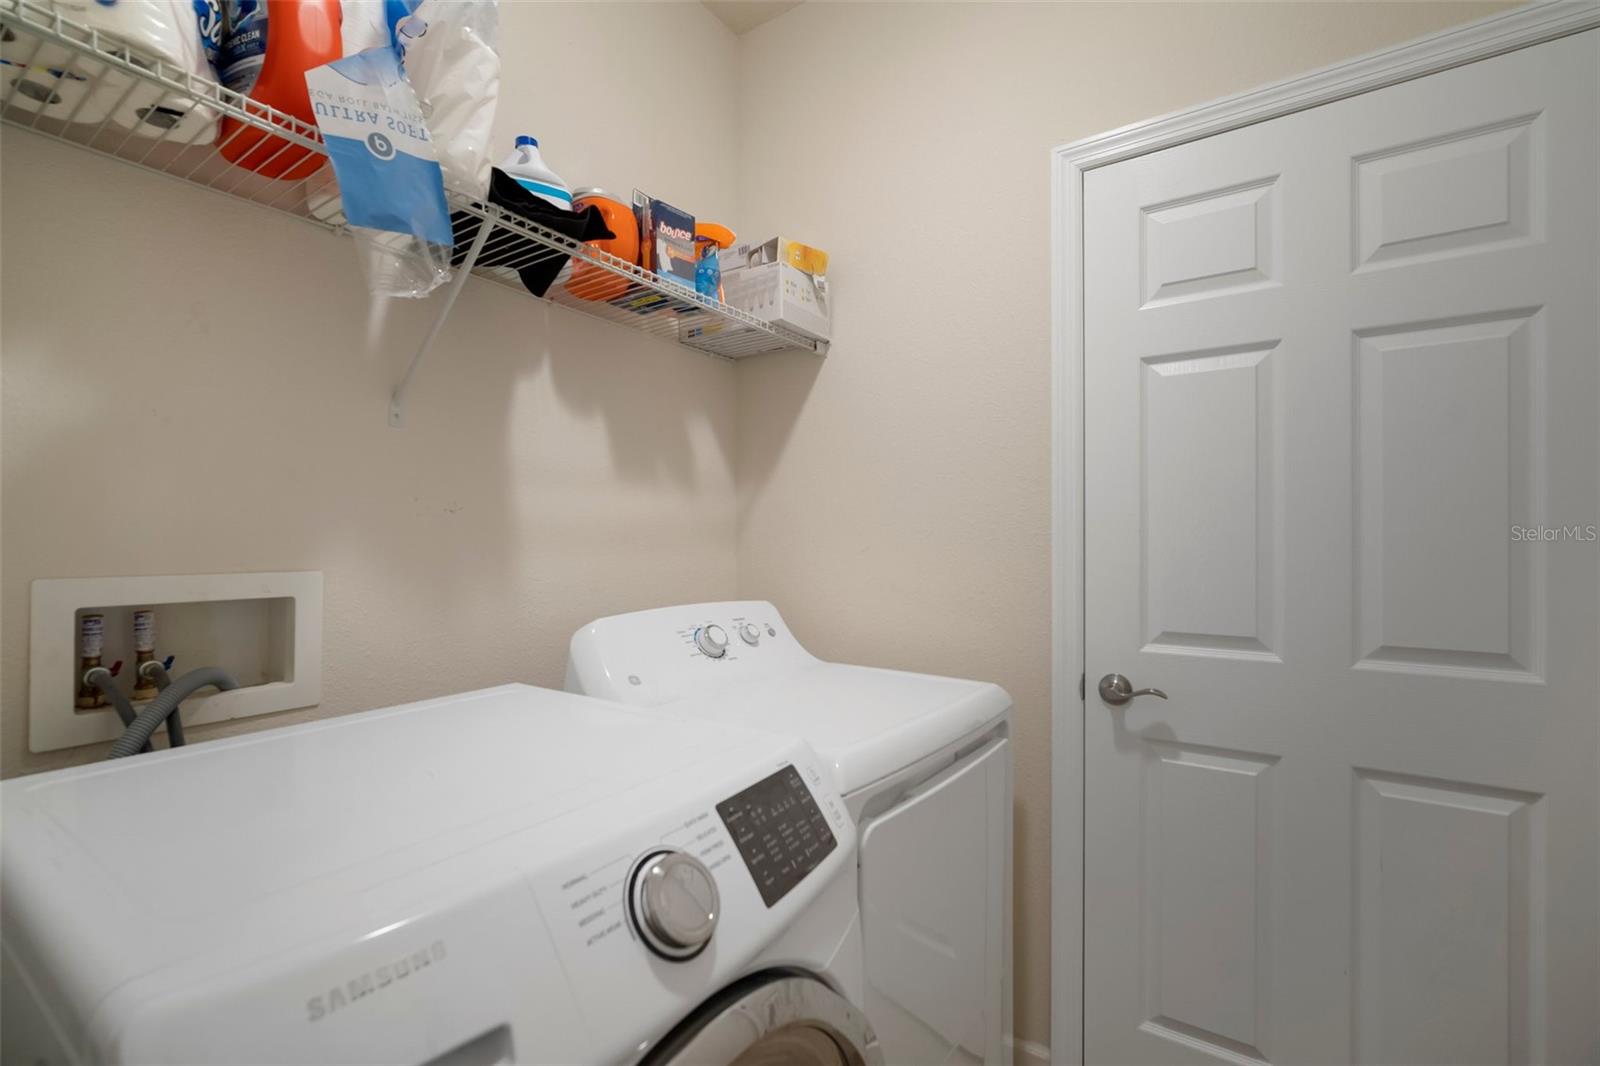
364 24
451 62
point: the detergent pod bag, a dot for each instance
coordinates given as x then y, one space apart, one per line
388 175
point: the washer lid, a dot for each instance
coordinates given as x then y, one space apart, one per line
865 722
268 892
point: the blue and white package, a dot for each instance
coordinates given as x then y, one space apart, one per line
388 172
244 45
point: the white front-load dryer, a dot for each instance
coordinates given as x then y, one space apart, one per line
506 876
924 765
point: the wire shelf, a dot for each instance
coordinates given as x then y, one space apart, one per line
74 84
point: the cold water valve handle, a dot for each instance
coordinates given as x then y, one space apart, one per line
158 670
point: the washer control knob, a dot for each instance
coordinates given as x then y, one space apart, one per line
750 633
712 640
675 904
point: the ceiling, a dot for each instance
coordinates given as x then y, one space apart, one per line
742 16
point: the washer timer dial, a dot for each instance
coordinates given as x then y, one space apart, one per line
675 904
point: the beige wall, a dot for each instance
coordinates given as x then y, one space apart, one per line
188 389
894 499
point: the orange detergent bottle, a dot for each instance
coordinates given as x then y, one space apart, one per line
267 47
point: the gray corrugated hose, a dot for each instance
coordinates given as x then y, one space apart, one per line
100 678
156 711
158 673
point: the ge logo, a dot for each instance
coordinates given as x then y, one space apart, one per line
380 146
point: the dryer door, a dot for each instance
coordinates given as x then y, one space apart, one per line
935 915
782 1018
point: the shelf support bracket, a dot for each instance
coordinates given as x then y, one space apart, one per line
397 399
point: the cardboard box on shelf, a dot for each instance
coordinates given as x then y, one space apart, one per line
782 282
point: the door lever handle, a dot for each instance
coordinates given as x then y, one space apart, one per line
1117 690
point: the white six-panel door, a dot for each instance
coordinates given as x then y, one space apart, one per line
1341 368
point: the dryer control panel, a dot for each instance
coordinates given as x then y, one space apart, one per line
653 657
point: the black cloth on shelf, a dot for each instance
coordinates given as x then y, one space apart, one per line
537 265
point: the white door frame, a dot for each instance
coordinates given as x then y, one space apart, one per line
1519 28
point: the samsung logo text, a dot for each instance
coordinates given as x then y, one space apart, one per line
373 981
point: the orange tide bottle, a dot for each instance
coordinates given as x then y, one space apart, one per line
267 47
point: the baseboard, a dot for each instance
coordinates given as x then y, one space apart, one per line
1028 1053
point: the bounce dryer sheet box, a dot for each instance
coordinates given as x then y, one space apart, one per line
666 239
782 282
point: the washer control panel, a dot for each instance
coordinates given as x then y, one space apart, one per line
656 893
780 832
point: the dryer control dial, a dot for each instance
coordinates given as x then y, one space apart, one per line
750 633
712 640
675 904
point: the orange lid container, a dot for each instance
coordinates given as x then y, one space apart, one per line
301 34
715 232
588 281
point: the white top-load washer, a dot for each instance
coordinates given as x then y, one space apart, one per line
924 764
512 875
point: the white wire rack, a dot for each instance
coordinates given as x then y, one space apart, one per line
74 84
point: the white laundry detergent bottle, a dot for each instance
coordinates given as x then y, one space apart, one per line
526 165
